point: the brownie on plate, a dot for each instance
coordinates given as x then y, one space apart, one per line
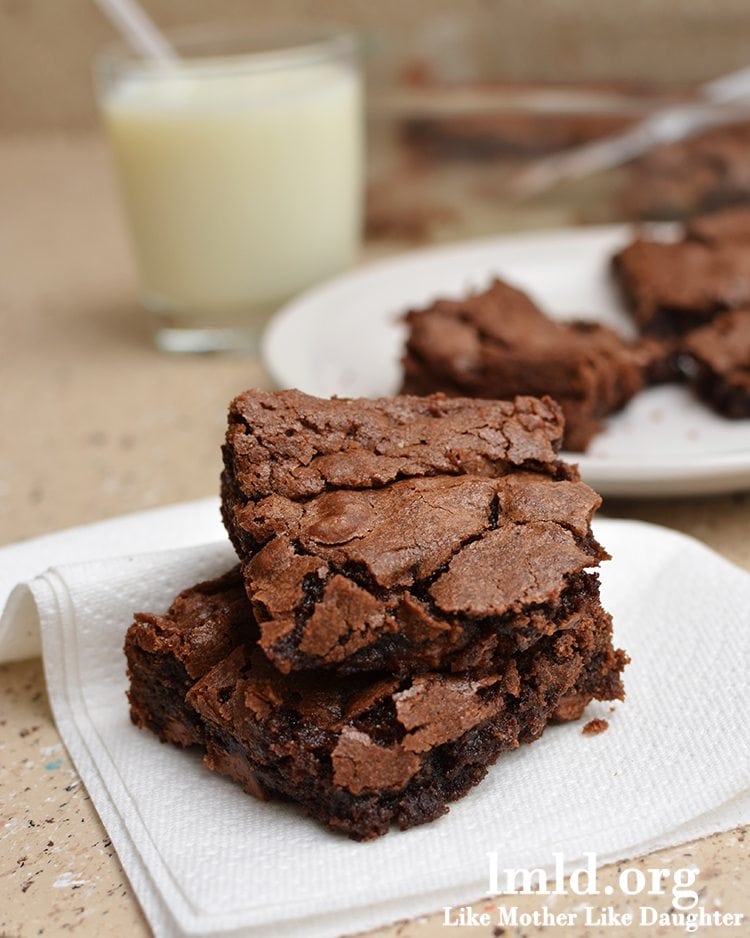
407 533
358 752
716 358
498 343
673 288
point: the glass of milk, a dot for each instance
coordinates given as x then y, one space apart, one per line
242 174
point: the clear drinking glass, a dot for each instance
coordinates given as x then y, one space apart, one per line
241 166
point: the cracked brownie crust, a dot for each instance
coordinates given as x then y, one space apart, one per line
291 444
461 562
498 343
364 751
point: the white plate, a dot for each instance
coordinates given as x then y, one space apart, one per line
345 337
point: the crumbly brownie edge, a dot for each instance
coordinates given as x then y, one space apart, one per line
166 654
156 694
484 645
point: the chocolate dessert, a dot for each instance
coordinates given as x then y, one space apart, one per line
673 288
168 653
414 598
358 752
498 343
407 533
716 359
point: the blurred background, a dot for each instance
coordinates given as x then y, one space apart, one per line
458 95
46 47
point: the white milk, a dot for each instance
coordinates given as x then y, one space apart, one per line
242 187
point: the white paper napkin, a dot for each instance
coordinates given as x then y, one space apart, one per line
179 525
206 859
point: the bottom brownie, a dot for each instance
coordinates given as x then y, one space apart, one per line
358 752
167 654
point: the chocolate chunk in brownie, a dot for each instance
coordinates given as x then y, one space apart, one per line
167 653
362 526
365 751
716 359
498 343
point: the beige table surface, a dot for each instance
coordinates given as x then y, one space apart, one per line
95 423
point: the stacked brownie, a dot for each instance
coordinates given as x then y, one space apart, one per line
498 343
693 296
414 597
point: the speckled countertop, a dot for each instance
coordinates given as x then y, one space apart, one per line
96 423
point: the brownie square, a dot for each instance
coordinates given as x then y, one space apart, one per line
673 288
717 361
358 752
498 343
406 534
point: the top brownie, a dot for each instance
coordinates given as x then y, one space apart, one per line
405 533
295 445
